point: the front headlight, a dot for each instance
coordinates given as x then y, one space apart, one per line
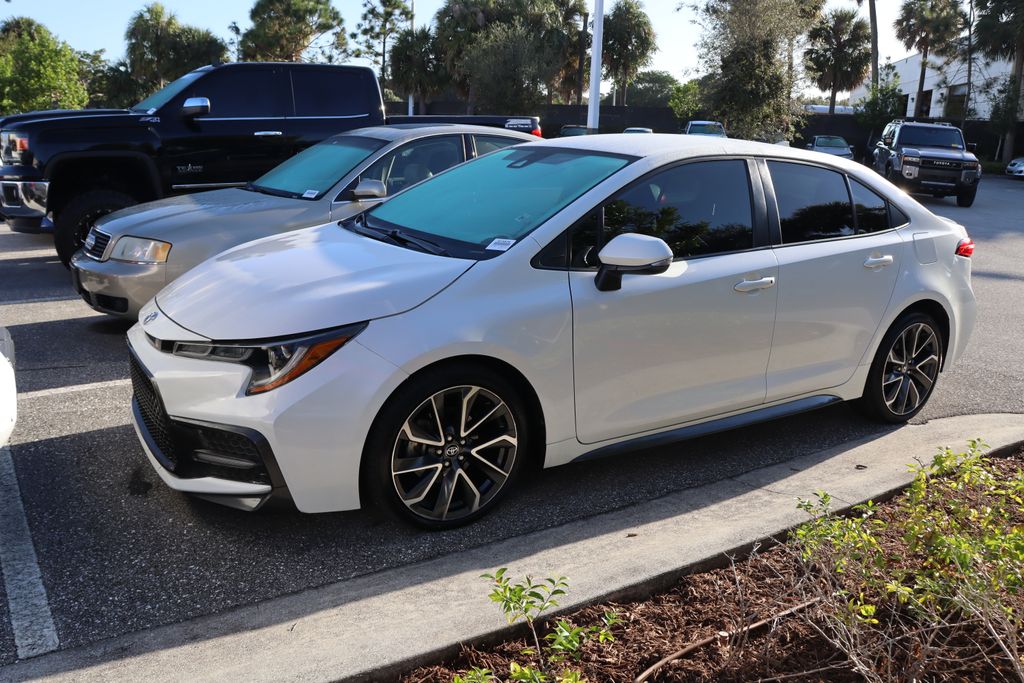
274 363
13 147
911 160
970 165
140 250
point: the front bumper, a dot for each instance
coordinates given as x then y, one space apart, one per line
313 428
115 287
938 181
1016 171
23 201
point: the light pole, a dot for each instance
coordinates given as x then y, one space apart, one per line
412 26
594 105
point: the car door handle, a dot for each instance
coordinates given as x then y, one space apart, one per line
266 133
875 262
754 285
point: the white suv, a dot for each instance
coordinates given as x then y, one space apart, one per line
542 304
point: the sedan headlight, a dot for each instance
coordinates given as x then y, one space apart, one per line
274 363
140 250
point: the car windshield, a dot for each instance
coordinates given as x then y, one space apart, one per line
831 141
165 94
706 129
940 136
310 173
480 209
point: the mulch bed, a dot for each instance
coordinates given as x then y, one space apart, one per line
699 606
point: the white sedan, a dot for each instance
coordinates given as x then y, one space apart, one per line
1016 167
543 304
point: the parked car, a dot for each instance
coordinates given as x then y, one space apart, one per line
638 129
570 130
131 254
831 144
712 128
929 158
217 126
8 389
540 305
1016 167
522 124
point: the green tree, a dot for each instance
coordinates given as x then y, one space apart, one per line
884 102
415 66
873 17
381 20
507 69
1001 35
925 25
457 25
37 71
652 89
288 30
629 42
840 54
686 99
159 49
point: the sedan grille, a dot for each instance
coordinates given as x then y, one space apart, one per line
97 243
154 416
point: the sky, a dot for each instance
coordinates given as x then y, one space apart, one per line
100 25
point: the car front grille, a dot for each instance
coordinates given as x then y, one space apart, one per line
941 164
99 245
154 416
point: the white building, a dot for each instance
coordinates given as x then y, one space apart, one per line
945 86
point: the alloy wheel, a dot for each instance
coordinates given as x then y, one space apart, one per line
910 369
454 453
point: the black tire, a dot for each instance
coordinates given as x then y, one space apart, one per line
411 403
77 218
966 199
882 395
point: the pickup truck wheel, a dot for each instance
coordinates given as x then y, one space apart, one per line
77 218
966 199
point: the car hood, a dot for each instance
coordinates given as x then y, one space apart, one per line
304 281
12 119
835 151
941 153
206 212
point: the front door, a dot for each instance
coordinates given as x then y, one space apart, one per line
837 270
691 342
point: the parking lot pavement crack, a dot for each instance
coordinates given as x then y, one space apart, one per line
31 620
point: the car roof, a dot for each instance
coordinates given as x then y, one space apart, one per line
926 124
674 146
408 131
717 123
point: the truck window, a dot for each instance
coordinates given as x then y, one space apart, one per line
243 93
332 92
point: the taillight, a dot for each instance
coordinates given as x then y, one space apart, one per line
537 131
965 248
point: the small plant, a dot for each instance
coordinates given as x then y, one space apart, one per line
526 600
475 675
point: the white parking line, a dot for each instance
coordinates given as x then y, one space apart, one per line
31 621
56 391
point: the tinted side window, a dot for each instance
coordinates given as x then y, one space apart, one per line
897 217
491 143
698 209
872 212
813 202
331 92
244 93
416 161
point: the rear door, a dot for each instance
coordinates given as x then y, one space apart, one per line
330 100
837 271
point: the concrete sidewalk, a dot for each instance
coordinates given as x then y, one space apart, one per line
374 627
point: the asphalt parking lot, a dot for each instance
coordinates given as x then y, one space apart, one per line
118 552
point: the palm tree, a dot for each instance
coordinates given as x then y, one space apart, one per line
874 39
151 36
629 42
1001 35
924 25
839 55
415 66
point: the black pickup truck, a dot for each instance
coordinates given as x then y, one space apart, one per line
218 126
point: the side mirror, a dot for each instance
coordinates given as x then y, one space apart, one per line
972 146
195 106
369 189
631 253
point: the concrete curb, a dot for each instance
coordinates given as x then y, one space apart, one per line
376 626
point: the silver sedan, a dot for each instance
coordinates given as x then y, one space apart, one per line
130 255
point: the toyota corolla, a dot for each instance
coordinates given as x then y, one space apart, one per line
539 305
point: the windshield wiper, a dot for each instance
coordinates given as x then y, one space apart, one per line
396 236
262 189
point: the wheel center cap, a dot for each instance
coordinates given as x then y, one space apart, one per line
452 450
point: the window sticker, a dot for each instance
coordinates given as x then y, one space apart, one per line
500 244
309 194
